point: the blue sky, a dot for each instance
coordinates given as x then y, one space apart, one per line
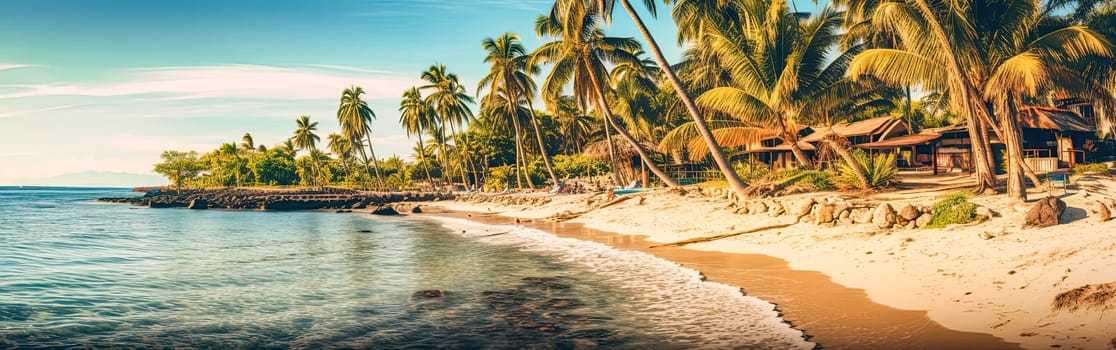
107 85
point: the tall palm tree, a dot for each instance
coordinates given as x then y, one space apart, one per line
305 139
604 9
451 103
415 116
510 70
579 54
356 121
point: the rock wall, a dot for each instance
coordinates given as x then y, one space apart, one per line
256 199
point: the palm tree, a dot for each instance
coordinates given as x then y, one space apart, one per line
342 146
305 139
580 54
450 100
355 118
415 116
247 143
574 126
604 9
512 72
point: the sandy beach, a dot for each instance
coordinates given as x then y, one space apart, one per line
979 286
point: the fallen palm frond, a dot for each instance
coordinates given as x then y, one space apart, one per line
717 237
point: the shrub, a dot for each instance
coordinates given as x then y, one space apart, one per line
751 170
953 209
880 171
818 179
1091 168
578 165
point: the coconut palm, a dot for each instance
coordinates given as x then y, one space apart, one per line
305 139
415 116
451 103
579 55
355 118
341 146
512 72
247 143
604 9
574 126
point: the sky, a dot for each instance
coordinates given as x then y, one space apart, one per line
107 85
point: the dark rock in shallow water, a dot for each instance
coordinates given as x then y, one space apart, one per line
198 204
416 210
432 293
384 210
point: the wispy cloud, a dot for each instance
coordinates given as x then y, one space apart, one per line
10 114
230 81
7 66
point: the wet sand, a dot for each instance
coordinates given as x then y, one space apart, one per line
834 316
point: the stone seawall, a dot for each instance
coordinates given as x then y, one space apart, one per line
267 199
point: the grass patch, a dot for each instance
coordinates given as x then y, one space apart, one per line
1091 168
953 209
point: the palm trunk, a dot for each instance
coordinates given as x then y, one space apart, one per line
598 89
985 177
518 149
363 156
1027 171
1012 139
375 163
611 153
462 154
472 164
422 158
542 146
714 149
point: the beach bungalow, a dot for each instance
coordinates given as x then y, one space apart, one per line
774 152
1097 116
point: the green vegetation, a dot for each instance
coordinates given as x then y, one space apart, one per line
759 70
880 171
1100 168
953 209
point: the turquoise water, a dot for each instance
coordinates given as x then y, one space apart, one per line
75 273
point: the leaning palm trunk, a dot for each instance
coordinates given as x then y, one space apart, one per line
598 89
518 152
542 147
422 158
1027 171
611 153
375 163
363 156
985 177
461 153
718 155
838 144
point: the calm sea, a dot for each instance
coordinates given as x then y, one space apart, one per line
75 273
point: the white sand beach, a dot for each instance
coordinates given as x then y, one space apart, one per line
994 277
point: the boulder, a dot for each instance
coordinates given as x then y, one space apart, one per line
923 220
384 210
198 204
1103 211
359 205
824 214
908 213
884 216
416 210
1045 213
758 207
861 215
802 207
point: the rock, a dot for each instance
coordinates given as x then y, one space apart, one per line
923 220
416 210
824 214
802 207
384 210
758 207
198 204
359 205
844 214
910 225
908 213
884 216
861 215
1103 212
431 293
1045 212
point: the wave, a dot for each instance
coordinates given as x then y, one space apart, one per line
679 304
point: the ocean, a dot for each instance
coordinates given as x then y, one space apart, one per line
75 273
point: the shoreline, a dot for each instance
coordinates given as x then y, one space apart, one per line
994 278
873 326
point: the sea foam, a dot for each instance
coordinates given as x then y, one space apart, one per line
679 304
